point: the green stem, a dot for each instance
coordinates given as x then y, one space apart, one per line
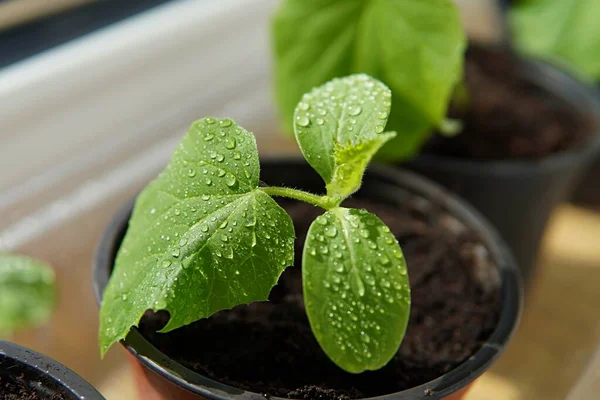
324 202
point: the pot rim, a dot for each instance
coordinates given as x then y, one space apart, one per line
562 84
511 295
72 383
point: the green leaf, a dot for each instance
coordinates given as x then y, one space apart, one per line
27 293
567 31
355 289
339 128
416 47
202 238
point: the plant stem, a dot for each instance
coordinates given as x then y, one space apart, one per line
324 202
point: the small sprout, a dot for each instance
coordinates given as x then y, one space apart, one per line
199 243
27 293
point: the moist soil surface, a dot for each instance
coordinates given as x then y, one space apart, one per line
507 116
269 348
16 389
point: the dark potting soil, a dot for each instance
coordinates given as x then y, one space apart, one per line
19 389
507 116
269 347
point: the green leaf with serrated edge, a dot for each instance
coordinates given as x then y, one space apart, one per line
416 47
27 292
202 238
567 31
339 128
355 289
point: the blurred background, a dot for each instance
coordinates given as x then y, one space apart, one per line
94 95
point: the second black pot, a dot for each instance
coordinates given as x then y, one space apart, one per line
42 375
519 196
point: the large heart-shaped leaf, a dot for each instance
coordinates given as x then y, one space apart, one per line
355 289
202 238
27 292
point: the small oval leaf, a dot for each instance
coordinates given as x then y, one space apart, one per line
355 289
202 238
27 292
339 128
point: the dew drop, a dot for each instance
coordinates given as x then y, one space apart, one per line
210 120
330 231
302 121
320 121
365 338
208 137
175 253
379 128
364 233
205 197
230 143
354 110
225 123
220 157
191 173
208 181
166 264
230 180
204 228
220 173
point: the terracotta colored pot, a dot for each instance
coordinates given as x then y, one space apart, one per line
151 386
159 377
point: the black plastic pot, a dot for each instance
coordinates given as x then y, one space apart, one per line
588 191
42 374
519 196
381 184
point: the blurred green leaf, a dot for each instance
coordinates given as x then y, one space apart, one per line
566 31
27 292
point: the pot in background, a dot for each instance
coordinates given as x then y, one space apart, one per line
588 191
42 375
519 196
159 377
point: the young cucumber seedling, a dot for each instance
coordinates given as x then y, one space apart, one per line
205 236
416 47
